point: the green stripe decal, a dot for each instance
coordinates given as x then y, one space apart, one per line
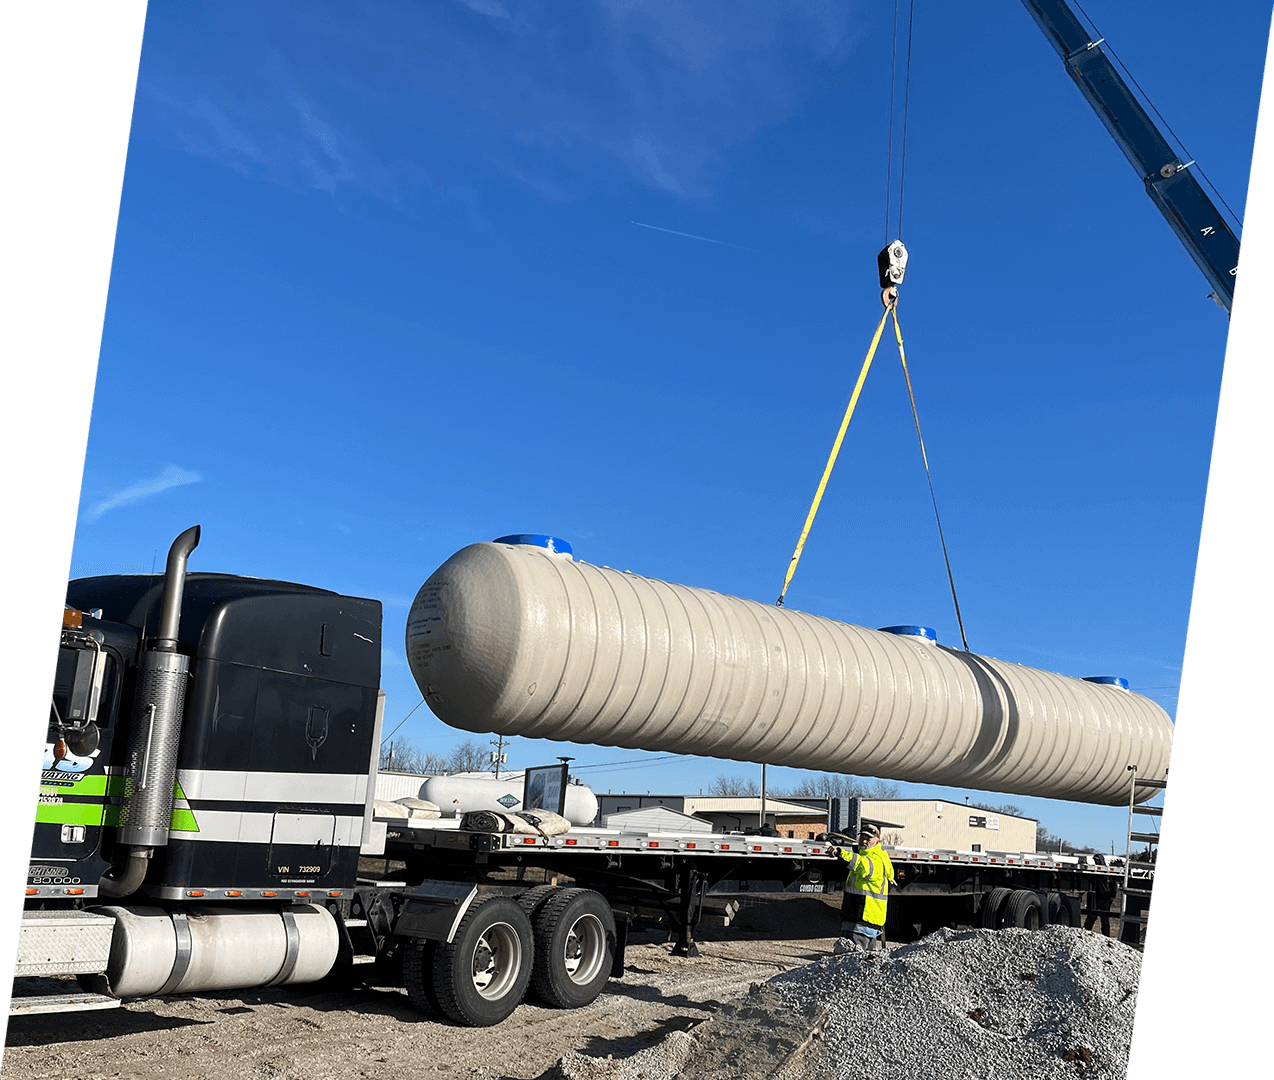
97 785
70 813
71 809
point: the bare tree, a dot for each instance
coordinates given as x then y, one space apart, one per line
469 756
733 785
1007 809
404 756
838 786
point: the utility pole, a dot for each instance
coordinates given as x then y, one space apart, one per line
498 756
762 821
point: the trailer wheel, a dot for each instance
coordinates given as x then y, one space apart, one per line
481 976
533 899
574 948
1022 910
1060 912
993 907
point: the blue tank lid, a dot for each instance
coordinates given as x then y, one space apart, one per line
926 632
553 543
1107 680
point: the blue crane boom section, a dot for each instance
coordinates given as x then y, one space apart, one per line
1169 181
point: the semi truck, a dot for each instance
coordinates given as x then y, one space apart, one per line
208 792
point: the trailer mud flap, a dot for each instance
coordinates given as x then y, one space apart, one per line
433 910
621 943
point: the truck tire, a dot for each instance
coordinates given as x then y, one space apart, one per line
533 899
481 976
418 975
1022 909
993 907
574 948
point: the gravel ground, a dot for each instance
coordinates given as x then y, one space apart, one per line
769 997
325 1032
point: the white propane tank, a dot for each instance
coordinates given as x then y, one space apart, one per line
228 949
520 639
463 792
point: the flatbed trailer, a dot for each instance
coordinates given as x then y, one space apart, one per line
673 875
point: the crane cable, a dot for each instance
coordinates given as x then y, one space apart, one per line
902 354
890 299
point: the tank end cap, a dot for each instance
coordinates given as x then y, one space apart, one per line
554 545
1108 680
925 632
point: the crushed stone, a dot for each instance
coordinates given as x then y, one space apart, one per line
976 1004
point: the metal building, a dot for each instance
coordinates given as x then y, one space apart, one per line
954 826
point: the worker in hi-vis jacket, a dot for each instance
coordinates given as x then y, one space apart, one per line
866 890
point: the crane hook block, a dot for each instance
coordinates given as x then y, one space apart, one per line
892 262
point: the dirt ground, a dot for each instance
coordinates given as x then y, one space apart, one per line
327 1032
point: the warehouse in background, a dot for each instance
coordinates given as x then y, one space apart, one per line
947 825
952 826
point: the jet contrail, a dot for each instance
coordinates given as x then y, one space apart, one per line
691 236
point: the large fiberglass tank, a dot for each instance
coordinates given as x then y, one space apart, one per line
517 637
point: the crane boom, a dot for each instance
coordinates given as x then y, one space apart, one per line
1169 181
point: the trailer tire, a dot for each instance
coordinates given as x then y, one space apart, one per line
993 907
418 975
1022 910
533 899
575 945
481 976
1060 910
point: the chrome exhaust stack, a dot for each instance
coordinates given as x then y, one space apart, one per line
151 765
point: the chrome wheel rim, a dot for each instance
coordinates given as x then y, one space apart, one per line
497 959
584 950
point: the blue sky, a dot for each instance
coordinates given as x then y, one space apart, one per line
378 293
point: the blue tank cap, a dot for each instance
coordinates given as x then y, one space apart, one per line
552 543
1108 680
925 632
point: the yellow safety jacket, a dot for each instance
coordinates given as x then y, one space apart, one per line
867 886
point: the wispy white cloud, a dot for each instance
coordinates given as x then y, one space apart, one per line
171 477
403 100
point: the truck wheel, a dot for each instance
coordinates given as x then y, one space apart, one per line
418 975
481 976
993 907
1022 910
574 948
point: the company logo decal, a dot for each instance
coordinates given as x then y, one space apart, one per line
508 801
63 767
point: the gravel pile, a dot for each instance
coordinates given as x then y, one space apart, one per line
1056 1002
978 1004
